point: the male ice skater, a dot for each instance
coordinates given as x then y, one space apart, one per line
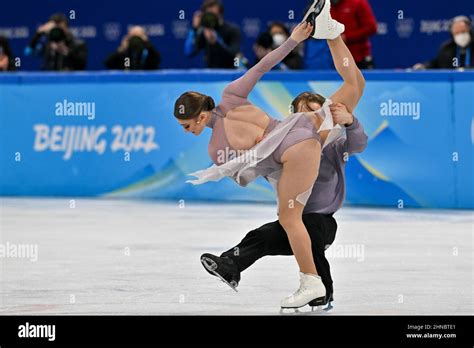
326 198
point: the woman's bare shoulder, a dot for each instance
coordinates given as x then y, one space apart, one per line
249 114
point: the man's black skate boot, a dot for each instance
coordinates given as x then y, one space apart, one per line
222 267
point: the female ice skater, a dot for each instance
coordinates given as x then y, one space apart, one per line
287 153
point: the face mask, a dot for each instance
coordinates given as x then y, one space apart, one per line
462 39
278 39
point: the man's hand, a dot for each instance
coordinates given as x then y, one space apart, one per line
3 62
301 32
419 66
210 35
197 19
124 44
60 47
340 115
45 28
260 51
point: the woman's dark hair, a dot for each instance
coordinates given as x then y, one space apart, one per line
265 40
305 98
280 25
190 104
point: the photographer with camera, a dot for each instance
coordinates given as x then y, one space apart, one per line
135 52
219 39
59 48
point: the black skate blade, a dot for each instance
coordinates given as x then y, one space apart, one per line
211 266
316 8
313 12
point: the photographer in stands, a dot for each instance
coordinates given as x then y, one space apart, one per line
135 52
6 56
59 48
219 39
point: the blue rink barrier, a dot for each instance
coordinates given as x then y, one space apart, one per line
110 134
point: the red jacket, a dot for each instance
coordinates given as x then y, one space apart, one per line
360 23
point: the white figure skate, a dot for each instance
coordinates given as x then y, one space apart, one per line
311 290
319 16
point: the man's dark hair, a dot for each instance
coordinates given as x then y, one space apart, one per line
211 3
5 46
59 18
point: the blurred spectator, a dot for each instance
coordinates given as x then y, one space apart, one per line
280 33
317 55
59 48
360 24
269 40
219 39
7 61
316 52
457 51
135 52
263 45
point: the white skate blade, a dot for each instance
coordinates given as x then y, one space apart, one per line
211 269
305 304
303 311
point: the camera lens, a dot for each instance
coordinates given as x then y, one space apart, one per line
209 20
57 34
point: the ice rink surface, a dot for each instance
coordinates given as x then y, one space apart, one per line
134 257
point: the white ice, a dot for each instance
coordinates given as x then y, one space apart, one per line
142 257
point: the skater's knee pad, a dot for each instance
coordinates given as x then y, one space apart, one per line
304 196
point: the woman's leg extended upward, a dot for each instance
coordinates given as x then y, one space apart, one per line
351 90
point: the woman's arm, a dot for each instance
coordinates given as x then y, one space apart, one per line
244 85
351 90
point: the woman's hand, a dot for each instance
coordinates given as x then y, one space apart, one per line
301 32
340 115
